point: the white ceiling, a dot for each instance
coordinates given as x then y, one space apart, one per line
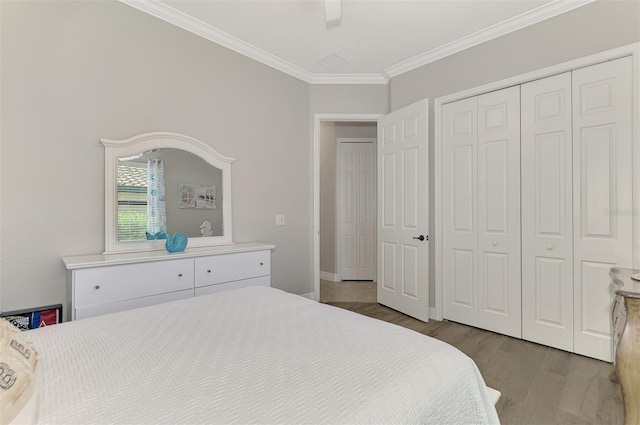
378 39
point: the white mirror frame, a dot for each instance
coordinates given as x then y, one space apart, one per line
145 142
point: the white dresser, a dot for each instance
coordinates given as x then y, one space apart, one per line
100 284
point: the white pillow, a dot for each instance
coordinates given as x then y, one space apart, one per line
18 377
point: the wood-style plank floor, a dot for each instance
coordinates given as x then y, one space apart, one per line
539 384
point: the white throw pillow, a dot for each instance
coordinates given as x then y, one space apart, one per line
18 377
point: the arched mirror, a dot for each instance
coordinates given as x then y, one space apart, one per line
159 183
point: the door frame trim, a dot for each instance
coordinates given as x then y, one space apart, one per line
339 176
632 49
315 230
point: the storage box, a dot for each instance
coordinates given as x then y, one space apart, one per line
32 318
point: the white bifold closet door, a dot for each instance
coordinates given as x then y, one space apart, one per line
531 258
547 224
499 268
481 211
576 204
459 217
602 196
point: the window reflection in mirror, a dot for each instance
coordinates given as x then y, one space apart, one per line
192 202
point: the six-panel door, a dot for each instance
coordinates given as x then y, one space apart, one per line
602 196
547 233
499 284
403 210
357 215
459 211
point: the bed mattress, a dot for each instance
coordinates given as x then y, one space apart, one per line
252 355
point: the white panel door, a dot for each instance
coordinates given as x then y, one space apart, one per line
499 279
459 217
602 194
547 233
357 215
403 215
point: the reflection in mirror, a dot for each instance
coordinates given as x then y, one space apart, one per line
165 182
167 190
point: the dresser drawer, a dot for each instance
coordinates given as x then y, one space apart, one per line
118 306
230 267
255 281
103 285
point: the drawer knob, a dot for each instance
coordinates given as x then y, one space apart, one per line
179 274
495 243
549 247
262 264
209 271
97 286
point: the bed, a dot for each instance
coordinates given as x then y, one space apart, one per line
252 355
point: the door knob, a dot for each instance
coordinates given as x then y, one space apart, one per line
420 238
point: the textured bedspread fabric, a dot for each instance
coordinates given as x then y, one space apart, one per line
252 356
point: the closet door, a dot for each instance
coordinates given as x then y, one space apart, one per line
459 217
498 151
602 196
357 216
547 241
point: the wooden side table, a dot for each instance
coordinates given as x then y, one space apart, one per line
626 340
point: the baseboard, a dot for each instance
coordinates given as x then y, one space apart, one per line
331 277
311 295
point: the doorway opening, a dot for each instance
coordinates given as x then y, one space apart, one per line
345 206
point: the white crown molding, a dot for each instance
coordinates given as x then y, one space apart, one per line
187 22
348 79
523 20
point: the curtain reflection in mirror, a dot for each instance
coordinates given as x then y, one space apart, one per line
156 206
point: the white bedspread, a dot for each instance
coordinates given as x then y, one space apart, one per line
253 355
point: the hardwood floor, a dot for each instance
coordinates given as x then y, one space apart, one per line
349 291
539 384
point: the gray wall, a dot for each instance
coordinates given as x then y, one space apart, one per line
358 130
1 202
328 196
584 31
329 133
73 72
349 99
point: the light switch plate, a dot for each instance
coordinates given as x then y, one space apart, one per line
279 219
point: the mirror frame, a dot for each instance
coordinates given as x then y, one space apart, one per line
156 140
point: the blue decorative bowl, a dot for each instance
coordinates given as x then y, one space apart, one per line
176 243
